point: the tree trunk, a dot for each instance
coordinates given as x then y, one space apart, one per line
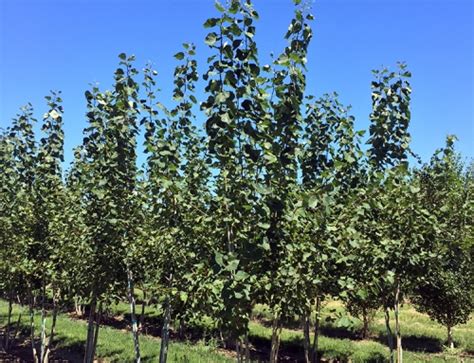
389 334
278 342
20 315
450 338
247 346
142 314
238 346
32 331
397 325
96 332
165 332
314 349
17 327
365 328
51 334
9 318
78 307
90 331
307 337
242 349
276 332
43 325
131 300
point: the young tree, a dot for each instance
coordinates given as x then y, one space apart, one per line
36 219
403 230
330 169
280 151
109 192
235 111
389 137
176 182
19 152
10 203
49 226
446 293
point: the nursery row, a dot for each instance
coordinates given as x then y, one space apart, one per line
278 200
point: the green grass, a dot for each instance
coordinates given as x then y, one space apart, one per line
116 345
418 331
345 349
423 339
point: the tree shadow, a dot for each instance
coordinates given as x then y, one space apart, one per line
331 331
64 349
148 358
20 350
290 350
377 357
415 343
326 329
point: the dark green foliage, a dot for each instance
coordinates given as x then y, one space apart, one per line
272 202
390 117
446 293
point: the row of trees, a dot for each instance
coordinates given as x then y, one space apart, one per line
280 202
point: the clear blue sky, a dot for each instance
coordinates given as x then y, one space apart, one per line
67 44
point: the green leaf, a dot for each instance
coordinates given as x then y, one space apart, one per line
262 189
179 55
233 264
270 158
312 201
414 189
219 6
241 275
211 22
183 296
219 259
211 39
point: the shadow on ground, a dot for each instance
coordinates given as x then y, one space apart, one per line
416 343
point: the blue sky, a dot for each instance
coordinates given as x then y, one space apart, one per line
67 44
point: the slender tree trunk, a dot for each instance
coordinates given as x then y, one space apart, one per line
90 331
224 342
316 331
17 327
238 347
51 333
247 346
96 332
365 328
20 315
307 337
242 349
276 331
131 300
142 313
181 328
450 337
43 324
78 307
165 332
32 331
43 336
397 324
9 318
278 342
389 333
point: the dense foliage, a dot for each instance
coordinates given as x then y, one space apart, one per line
278 201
